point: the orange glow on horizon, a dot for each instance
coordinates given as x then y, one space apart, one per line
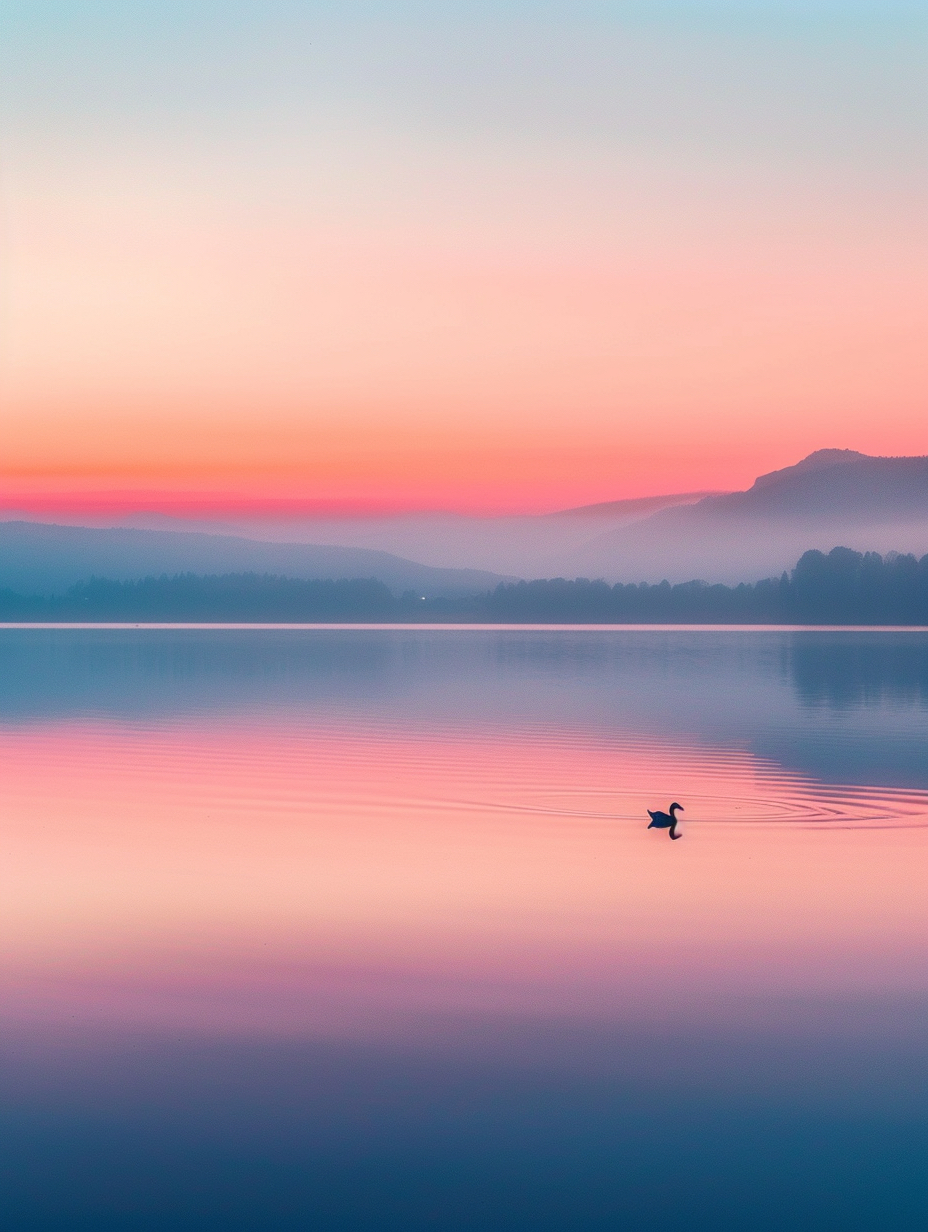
363 368
390 309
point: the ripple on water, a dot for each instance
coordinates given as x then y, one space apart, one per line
805 804
302 770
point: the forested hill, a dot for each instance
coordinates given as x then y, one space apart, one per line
842 587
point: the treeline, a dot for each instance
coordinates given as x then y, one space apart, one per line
235 597
842 587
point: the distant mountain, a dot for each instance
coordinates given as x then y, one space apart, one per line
835 484
521 545
37 558
819 460
636 507
832 496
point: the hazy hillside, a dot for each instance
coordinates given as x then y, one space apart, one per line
832 496
36 558
837 496
838 484
524 546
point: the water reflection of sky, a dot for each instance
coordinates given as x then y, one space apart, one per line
847 707
366 930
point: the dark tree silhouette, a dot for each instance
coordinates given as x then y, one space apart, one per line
840 587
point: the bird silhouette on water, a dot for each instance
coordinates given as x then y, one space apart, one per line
666 821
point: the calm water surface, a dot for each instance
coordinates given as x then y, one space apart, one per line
360 929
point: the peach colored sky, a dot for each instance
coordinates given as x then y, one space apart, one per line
376 264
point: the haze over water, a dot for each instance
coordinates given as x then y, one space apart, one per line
365 929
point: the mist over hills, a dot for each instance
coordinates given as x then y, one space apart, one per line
833 496
40 558
524 546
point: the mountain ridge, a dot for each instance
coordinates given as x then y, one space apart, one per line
41 558
818 460
869 502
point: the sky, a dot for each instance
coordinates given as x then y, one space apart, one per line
465 256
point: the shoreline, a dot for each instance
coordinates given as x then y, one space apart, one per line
457 627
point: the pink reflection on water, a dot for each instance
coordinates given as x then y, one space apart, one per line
276 875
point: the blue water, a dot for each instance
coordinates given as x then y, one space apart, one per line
364 930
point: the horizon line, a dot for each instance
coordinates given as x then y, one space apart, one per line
204 508
459 627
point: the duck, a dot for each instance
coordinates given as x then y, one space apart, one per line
666 821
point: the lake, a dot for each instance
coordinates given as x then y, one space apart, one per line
364 929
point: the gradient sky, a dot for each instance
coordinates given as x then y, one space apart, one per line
457 255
